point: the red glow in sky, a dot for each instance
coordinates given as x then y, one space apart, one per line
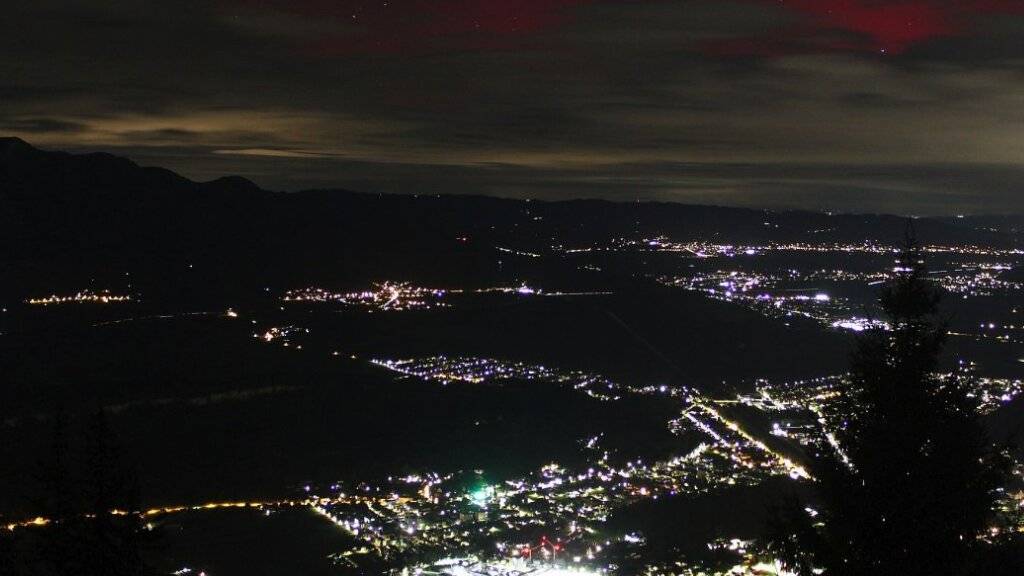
865 25
413 26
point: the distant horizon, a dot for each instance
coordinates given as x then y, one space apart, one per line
680 202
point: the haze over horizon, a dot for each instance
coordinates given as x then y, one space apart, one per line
235 181
909 107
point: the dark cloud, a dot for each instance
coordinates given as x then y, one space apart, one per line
746 102
40 125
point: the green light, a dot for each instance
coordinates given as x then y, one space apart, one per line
481 495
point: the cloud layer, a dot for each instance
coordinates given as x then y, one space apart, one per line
912 106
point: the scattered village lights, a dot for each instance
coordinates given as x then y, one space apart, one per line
436 513
81 297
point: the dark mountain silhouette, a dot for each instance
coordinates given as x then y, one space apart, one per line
69 219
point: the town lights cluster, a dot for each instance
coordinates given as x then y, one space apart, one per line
555 516
398 296
768 295
969 271
81 297
282 334
791 292
474 566
978 279
554 519
387 296
705 249
807 411
480 370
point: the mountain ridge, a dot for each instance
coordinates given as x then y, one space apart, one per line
65 218
240 183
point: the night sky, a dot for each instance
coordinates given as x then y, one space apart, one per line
914 106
